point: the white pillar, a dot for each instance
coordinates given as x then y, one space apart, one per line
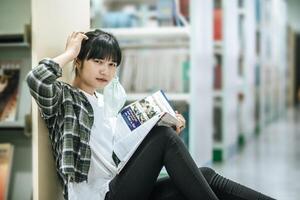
52 22
201 43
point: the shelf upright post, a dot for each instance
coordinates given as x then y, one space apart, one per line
201 90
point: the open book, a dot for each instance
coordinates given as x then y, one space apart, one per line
136 120
140 112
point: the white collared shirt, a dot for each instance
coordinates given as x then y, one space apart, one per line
102 169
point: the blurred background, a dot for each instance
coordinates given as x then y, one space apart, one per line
231 67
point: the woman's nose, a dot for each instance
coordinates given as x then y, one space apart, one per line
103 69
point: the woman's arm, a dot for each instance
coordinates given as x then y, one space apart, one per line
42 80
44 87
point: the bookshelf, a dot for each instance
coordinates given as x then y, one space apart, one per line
257 71
226 79
246 71
16 132
273 61
15 51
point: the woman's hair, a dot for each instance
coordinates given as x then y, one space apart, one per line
100 45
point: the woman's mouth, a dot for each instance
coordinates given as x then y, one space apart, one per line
102 80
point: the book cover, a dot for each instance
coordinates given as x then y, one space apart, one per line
6 155
9 82
141 111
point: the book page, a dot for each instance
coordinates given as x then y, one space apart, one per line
126 141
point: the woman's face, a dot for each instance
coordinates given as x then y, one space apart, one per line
97 73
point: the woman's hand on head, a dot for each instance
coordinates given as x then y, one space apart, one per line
181 125
72 48
74 44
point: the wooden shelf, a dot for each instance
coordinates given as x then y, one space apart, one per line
241 11
218 43
108 2
14 40
168 33
12 125
218 93
21 44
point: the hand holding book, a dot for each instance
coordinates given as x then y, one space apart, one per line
182 121
157 104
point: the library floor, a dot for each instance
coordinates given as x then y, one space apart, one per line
270 163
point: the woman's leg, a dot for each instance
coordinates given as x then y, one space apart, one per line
165 189
161 147
225 189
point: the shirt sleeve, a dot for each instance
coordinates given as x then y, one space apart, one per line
44 87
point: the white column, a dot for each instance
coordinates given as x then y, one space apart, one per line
52 22
201 107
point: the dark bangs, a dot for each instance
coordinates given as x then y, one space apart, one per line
100 45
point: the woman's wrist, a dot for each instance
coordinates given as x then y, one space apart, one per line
63 58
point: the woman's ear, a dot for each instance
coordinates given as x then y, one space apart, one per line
77 66
77 62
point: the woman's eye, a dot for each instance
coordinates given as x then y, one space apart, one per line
99 61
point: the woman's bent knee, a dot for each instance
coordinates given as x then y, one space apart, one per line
208 173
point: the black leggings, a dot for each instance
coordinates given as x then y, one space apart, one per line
162 147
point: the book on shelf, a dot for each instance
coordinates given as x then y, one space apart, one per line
184 6
6 157
181 12
217 123
165 12
186 68
218 24
135 121
9 90
218 72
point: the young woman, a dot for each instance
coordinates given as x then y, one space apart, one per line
82 137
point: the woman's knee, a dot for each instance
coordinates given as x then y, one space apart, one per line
163 130
208 173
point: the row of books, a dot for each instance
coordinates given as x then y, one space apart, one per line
148 70
9 89
161 13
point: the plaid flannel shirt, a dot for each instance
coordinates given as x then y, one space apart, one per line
69 118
